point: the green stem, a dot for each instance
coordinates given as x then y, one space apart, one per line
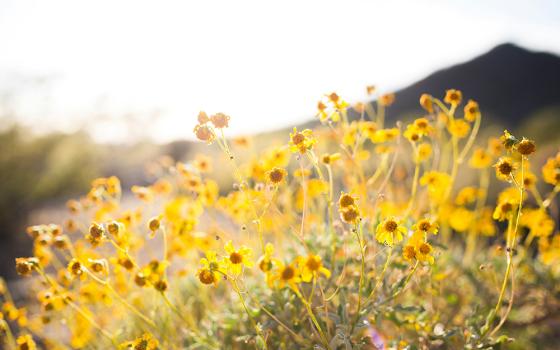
255 326
362 275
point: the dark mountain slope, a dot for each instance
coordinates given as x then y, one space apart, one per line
509 82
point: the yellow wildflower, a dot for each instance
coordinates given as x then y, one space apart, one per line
459 128
25 342
144 342
551 170
24 266
437 183
390 231
426 103
387 100
220 120
453 97
237 258
276 175
301 141
204 133
426 226
505 168
423 152
424 252
471 110
480 159
211 268
460 219
350 214
409 253
311 266
287 274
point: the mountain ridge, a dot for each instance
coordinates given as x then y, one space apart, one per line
509 82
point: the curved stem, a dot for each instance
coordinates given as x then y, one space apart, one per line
471 139
511 240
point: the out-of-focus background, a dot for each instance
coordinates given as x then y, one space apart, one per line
100 88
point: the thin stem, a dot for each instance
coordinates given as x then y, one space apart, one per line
9 335
414 186
255 326
123 301
303 188
362 274
382 275
511 240
471 139
93 322
313 318
408 278
296 336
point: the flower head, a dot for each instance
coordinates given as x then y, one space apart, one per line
426 103
453 97
426 226
238 258
301 141
26 342
505 168
276 175
480 159
211 268
526 147
390 231
471 110
24 266
311 266
286 274
346 200
204 133
144 342
220 120
387 100
350 214
424 252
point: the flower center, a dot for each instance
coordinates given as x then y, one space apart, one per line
390 226
424 226
506 207
206 277
265 265
505 168
288 273
313 264
424 248
276 176
298 138
236 258
346 201
409 252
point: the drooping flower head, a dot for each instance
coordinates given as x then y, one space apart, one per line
211 268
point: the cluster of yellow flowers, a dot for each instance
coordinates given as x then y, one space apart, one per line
345 236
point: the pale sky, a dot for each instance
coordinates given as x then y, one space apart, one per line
93 64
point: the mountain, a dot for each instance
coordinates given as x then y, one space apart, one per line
510 84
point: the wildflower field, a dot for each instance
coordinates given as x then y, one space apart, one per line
354 235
